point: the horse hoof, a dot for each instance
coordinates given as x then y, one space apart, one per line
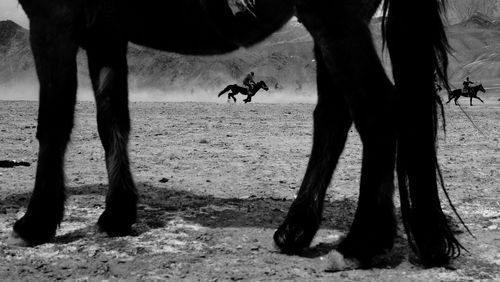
16 240
365 248
290 240
293 236
335 262
29 232
116 225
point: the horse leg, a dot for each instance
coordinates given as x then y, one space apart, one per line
108 71
351 56
471 100
351 59
331 125
479 99
54 50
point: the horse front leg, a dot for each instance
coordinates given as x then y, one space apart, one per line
54 49
108 71
331 126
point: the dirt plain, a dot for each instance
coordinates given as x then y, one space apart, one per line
216 180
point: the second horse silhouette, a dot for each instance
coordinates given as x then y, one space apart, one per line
235 89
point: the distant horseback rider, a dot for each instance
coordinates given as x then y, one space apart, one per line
467 83
248 81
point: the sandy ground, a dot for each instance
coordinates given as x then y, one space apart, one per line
229 173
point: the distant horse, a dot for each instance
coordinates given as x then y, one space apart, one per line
457 93
396 129
236 89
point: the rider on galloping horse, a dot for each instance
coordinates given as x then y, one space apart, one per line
467 83
249 82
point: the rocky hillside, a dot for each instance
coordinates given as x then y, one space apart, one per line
15 54
476 49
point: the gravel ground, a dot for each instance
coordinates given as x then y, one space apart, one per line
215 181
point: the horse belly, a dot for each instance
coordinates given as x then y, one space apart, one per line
174 25
198 27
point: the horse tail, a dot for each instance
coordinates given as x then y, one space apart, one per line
418 51
450 93
225 90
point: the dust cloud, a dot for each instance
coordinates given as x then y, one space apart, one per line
210 96
19 92
28 91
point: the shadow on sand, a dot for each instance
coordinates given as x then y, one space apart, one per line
158 205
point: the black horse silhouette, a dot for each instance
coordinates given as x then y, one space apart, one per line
457 93
348 72
236 89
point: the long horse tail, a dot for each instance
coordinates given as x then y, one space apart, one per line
228 88
418 51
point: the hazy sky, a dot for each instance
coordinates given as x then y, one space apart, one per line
11 10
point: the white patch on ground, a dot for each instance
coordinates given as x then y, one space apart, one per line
80 222
438 275
478 209
491 215
170 239
327 236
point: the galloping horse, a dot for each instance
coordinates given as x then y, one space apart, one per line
397 131
236 89
457 93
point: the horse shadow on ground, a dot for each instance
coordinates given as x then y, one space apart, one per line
158 205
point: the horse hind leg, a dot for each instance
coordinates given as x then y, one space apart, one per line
108 71
351 59
54 49
354 58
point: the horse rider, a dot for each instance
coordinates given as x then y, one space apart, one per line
248 81
467 83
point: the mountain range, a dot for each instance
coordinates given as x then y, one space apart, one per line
285 60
